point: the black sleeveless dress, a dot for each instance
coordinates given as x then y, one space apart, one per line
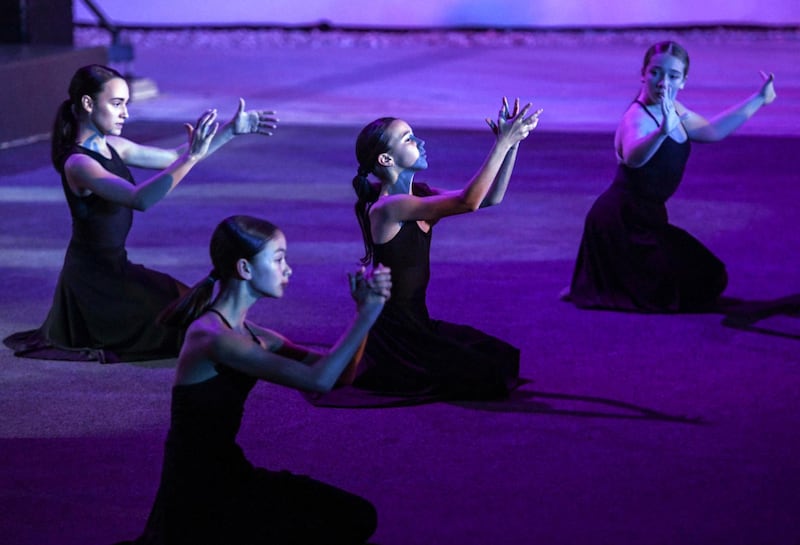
104 307
410 358
631 258
210 494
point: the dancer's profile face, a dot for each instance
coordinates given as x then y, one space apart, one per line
407 151
663 77
269 270
109 110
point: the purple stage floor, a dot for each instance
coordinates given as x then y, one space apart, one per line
635 429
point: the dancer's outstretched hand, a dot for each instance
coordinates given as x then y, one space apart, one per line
253 121
768 88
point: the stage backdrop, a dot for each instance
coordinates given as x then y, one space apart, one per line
447 13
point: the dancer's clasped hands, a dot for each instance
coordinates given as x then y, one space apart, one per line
372 286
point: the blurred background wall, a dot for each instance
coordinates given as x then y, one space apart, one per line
447 13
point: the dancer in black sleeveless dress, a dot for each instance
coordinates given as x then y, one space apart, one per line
409 357
104 306
209 493
631 258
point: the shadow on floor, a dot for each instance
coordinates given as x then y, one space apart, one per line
778 317
556 403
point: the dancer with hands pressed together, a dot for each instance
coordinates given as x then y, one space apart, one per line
209 492
631 258
104 307
409 357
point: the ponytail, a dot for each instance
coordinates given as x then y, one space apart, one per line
371 142
65 132
186 309
367 194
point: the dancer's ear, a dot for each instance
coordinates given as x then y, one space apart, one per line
87 103
385 160
243 269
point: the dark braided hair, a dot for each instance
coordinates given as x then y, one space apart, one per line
372 141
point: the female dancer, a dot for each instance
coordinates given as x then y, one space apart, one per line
209 493
408 357
104 307
630 257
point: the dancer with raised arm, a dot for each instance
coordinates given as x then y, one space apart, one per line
410 357
104 306
631 258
